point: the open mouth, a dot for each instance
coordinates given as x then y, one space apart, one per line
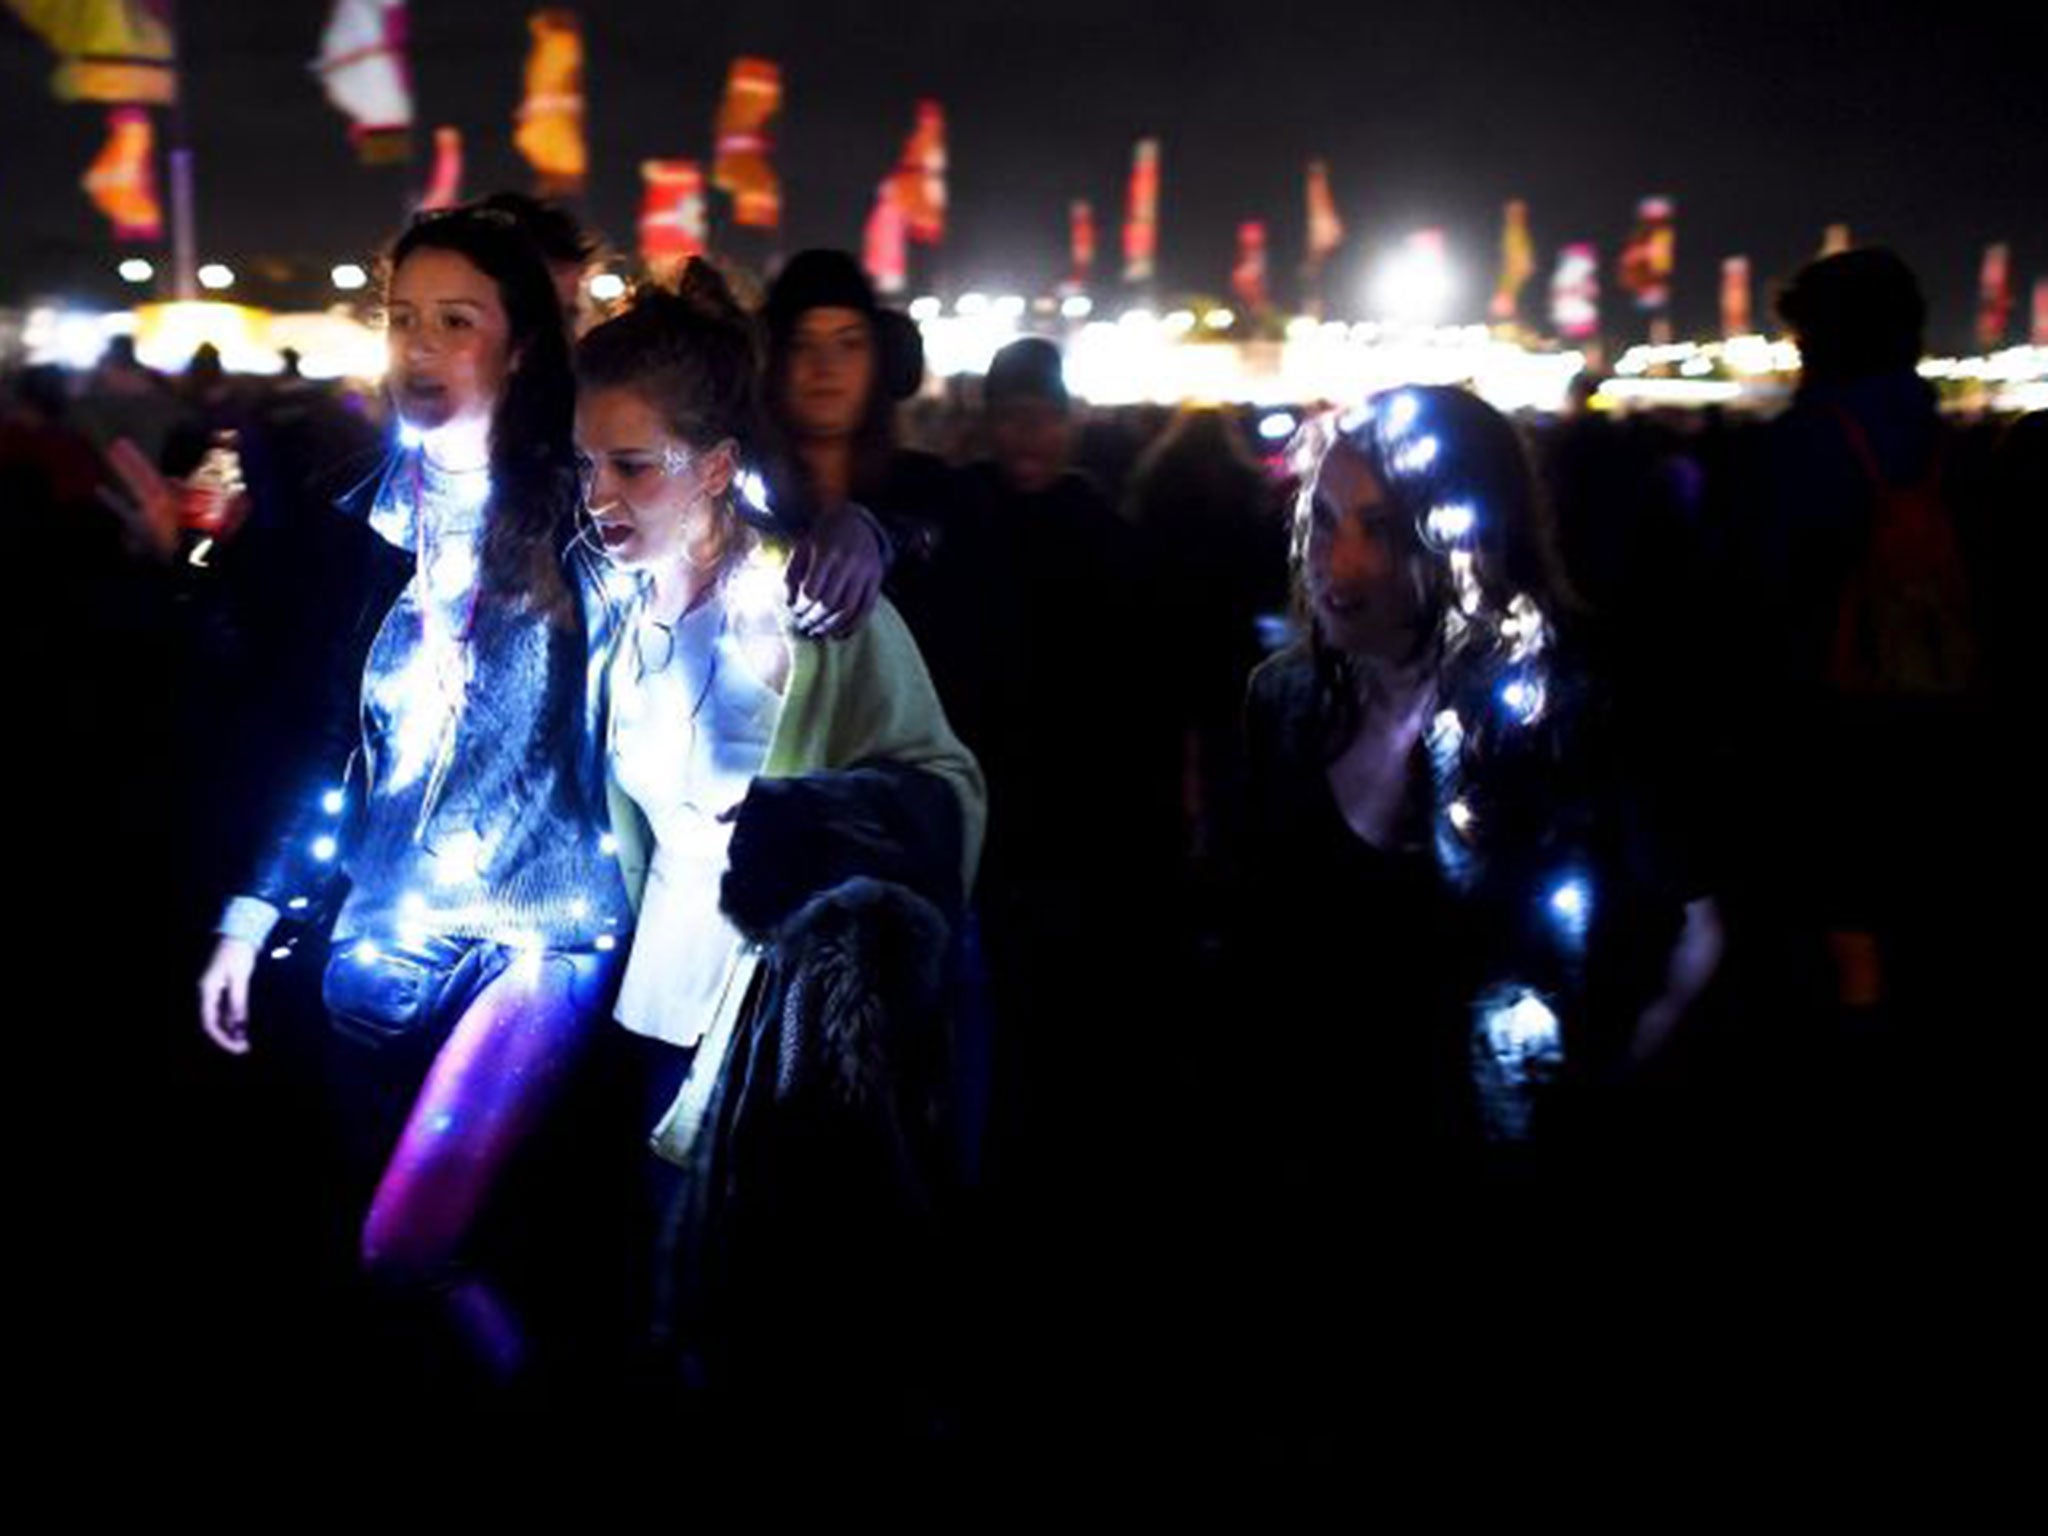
614 534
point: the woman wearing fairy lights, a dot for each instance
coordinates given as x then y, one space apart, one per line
755 772
460 791
1428 795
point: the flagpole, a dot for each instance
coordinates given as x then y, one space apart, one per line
184 241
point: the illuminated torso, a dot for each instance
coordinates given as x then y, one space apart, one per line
475 823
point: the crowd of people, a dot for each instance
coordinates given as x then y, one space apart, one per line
730 891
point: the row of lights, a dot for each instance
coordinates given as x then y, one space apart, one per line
215 275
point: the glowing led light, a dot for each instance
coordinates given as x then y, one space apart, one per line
926 308
324 848
1570 901
606 942
1219 319
1451 522
1401 413
1447 728
299 903
282 952
754 489
1523 1027
215 275
1276 426
1135 318
607 286
1077 306
1008 307
136 270
1523 697
1413 458
528 941
348 277
442 1123
1460 814
579 908
460 858
607 844
412 903
971 304
332 802
410 436
367 953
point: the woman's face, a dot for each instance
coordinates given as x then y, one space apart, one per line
831 372
653 498
449 341
1363 567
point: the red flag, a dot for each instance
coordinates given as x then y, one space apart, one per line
671 213
444 186
1575 292
1081 240
2041 311
1248 277
921 176
885 242
122 182
1735 319
744 168
1648 258
1325 229
1141 218
1994 297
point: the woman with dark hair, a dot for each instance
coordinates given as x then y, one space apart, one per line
766 786
458 789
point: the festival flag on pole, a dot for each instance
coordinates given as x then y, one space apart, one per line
743 169
362 65
1735 317
1325 229
1575 292
122 181
1517 259
2041 311
920 178
550 120
444 185
1141 216
1081 240
1834 240
885 249
1248 277
1994 297
671 214
117 51
1648 258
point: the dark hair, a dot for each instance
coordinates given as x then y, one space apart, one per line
1855 313
691 351
533 477
1460 481
555 232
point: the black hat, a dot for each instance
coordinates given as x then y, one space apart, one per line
829 279
1026 369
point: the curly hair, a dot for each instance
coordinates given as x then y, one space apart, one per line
533 477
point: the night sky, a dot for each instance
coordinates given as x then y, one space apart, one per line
1924 127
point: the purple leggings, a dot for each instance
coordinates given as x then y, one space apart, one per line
504 1061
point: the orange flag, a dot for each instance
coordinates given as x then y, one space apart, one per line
1325 229
1141 217
1650 255
1994 297
1081 239
671 213
1517 259
1248 277
121 181
1735 317
550 120
744 168
884 242
921 176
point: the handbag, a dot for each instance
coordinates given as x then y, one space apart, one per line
381 997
